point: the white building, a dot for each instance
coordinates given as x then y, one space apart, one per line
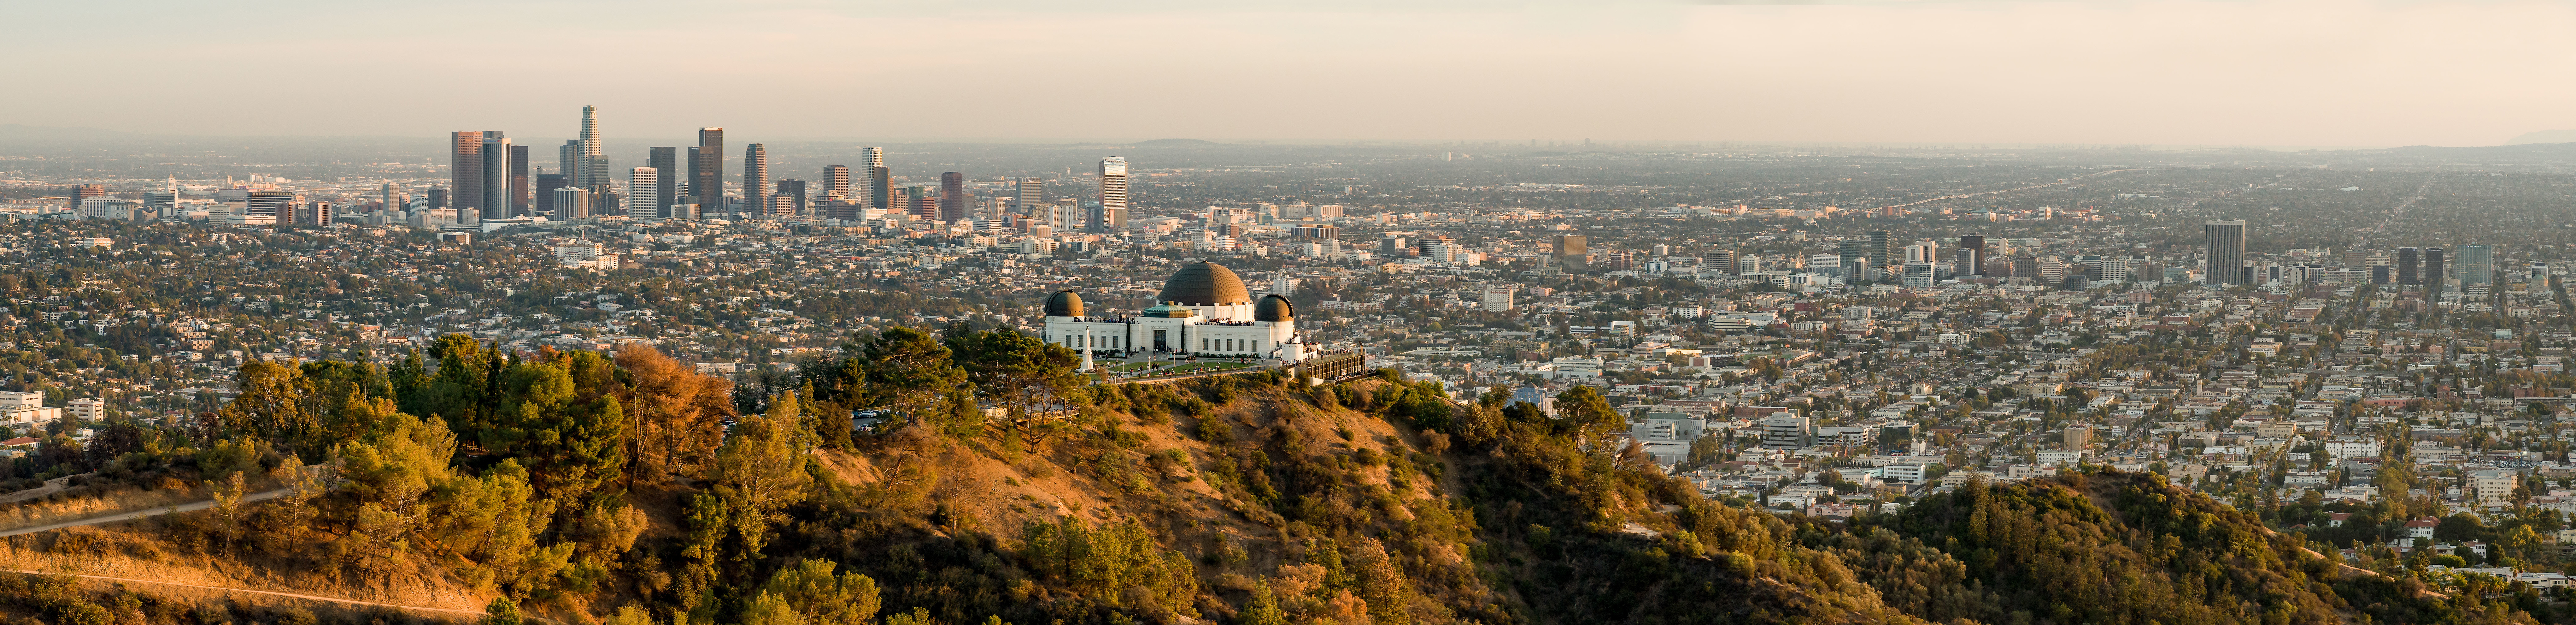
21 408
1498 297
1204 309
89 408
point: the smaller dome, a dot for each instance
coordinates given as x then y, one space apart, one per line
1274 308
1064 304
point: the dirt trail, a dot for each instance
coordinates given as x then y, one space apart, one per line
51 486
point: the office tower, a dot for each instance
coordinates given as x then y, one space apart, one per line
836 182
1917 275
1032 192
1391 245
1852 251
435 198
393 194
898 201
82 193
1062 216
2026 267
1721 260
518 180
1883 249
589 167
2379 274
546 186
696 177
873 188
496 176
2475 264
952 196
1972 255
2434 271
706 173
1572 249
571 203
793 194
465 168
2407 268
569 162
2226 253
271 203
755 178
665 162
641 194
1112 214
880 191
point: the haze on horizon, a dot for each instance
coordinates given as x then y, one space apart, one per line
2165 72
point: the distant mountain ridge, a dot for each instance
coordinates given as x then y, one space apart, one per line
2544 136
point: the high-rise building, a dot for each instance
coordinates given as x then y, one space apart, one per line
665 162
1032 193
518 180
546 186
568 159
2434 270
952 196
1721 260
1972 255
571 203
274 204
2475 264
1882 251
465 168
872 172
791 192
706 169
2408 266
836 182
755 177
2226 255
1572 249
393 194
881 191
83 192
1112 214
435 198
496 176
641 186
590 167
1061 216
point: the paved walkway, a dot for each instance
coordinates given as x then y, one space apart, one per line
129 516
51 486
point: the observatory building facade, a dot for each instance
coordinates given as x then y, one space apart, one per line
1204 310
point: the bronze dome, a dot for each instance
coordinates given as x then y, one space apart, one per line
1274 308
1205 284
1064 304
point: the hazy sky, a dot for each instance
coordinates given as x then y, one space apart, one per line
2255 72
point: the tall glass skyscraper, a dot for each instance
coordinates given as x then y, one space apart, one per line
952 196
465 168
2476 264
872 170
2407 268
665 161
755 178
706 169
496 176
1112 214
2226 257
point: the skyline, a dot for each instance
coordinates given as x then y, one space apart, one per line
2133 73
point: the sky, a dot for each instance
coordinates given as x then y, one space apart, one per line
2148 72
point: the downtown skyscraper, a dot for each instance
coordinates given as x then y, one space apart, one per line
641 183
2226 255
665 162
873 185
465 168
1111 215
836 182
706 169
587 167
952 196
755 178
495 182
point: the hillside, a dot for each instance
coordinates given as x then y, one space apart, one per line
587 489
